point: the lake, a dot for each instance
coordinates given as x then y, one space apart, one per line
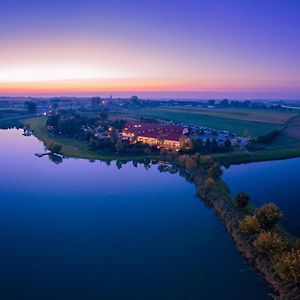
270 181
88 230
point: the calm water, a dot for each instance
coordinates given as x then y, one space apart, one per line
82 230
272 181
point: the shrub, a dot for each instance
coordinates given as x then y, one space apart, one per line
182 159
55 147
206 161
269 243
209 183
163 152
269 137
268 215
250 225
215 171
288 266
242 199
190 163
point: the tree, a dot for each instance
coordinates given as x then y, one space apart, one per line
224 102
103 115
182 159
268 215
53 120
184 142
197 145
95 102
55 158
227 144
288 266
207 144
214 145
135 100
69 126
269 243
31 107
242 199
249 225
206 161
161 140
269 137
55 147
215 171
209 183
119 145
190 163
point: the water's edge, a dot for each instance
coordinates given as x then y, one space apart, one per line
231 219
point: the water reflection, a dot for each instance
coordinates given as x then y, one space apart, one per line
271 181
57 159
82 230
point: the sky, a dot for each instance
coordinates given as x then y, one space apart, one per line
161 49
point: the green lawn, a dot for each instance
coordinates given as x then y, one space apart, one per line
238 126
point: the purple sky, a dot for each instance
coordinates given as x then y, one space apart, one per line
234 49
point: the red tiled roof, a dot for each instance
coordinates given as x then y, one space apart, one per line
167 132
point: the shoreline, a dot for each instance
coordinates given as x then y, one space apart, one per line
231 218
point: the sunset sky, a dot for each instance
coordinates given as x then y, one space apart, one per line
166 48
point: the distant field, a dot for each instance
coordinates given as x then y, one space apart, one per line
244 122
245 114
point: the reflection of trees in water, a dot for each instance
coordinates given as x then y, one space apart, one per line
6 125
57 159
162 167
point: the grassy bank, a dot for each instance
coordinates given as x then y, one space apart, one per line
72 147
231 215
239 157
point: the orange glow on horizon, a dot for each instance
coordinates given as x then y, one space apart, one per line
123 85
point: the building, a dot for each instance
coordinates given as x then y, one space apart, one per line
160 135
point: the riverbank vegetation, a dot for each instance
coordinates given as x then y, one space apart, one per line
257 231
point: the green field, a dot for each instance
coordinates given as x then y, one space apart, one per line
239 121
287 145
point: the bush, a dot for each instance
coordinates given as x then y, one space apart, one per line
269 137
206 161
250 225
209 183
55 147
269 243
215 171
288 266
268 215
182 159
242 199
190 164
163 152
